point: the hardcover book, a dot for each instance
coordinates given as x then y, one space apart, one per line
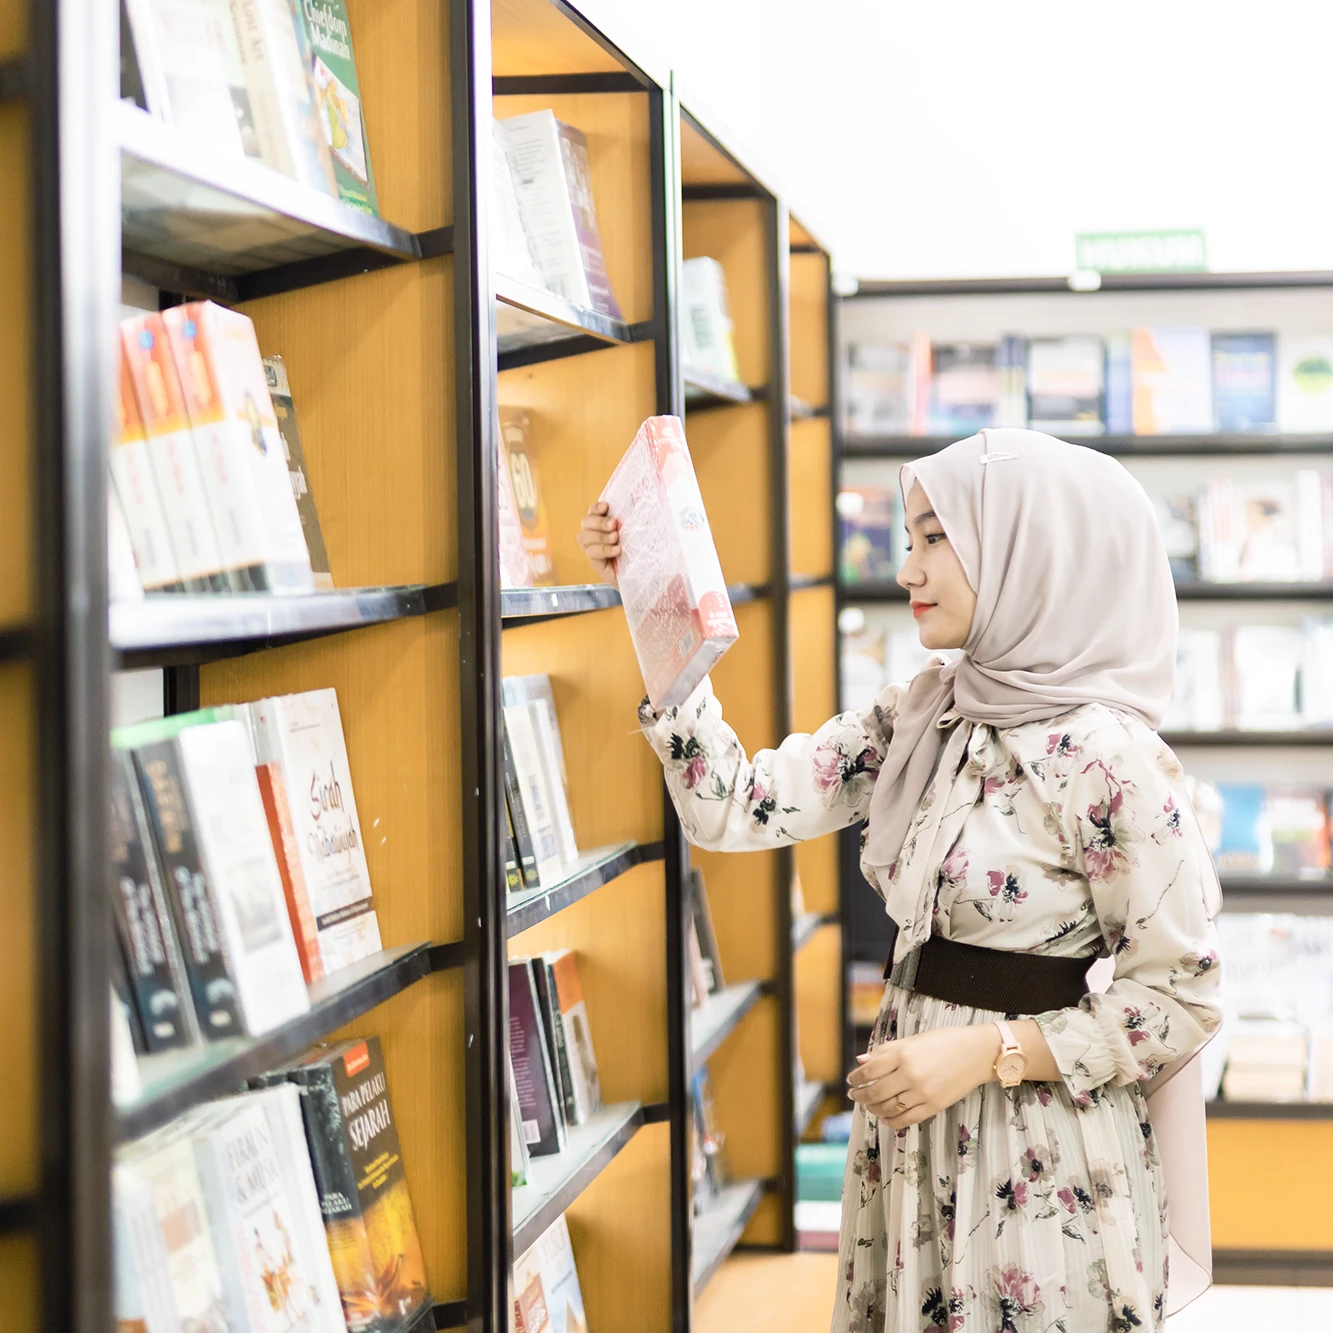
1065 385
539 1111
518 820
552 178
173 452
363 1194
156 975
1244 382
880 388
1305 384
1172 381
275 371
670 580
529 504
707 333
964 388
535 796
547 1296
567 994
245 467
299 741
338 92
869 522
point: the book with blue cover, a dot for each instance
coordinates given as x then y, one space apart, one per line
1244 382
868 518
1246 847
1119 385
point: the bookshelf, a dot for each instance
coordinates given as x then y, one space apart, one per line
1277 1238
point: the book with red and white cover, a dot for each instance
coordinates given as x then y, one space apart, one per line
670 579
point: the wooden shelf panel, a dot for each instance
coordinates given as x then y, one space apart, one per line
555 1182
808 1096
1122 446
592 870
229 217
172 1082
1219 1110
169 630
712 1024
530 605
719 1227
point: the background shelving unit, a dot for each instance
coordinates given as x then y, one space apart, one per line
1273 1239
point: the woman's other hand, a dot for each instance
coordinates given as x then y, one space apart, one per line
599 536
908 1081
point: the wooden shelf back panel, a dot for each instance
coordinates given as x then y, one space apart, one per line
810 492
808 306
402 62
19 1272
376 417
703 164
584 412
817 865
799 235
769 1291
615 780
617 129
743 679
730 451
818 1009
1277 1213
534 37
15 371
619 936
620 1230
732 231
20 1154
813 644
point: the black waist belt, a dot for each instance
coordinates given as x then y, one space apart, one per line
996 979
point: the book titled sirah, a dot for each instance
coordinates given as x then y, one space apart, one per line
670 580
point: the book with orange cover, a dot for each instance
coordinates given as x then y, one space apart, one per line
529 503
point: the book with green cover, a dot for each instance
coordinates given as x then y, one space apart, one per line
339 93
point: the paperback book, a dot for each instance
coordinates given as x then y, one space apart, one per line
964 388
525 488
879 390
547 1296
707 333
1172 379
1065 385
1305 384
869 521
1244 383
539 1107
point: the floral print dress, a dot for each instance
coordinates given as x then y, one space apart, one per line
1039 1209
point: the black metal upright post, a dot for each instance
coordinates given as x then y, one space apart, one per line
486 1006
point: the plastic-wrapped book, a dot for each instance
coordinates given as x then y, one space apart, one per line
670 580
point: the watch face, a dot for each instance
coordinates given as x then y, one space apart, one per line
1010 1067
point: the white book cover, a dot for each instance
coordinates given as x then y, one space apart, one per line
509 241
1268 665
237 852
518 1145
879 391
1317 671
303 734
143 1297
1305 384
585 1080
131 469
122 574
1173 380
546 1284
1266 523
537 801
546 730
1197 702
1310 523
181 47
1219 539
707 332
1065 385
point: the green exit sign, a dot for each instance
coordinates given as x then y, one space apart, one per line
1142 251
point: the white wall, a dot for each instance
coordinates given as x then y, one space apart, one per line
971 137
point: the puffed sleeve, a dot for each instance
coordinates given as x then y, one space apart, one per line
808 786
1148 872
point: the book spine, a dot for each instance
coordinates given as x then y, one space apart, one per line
192 903
273 793
584 1076
513 870
518 820
543 1128
1310 523
555 1039
573 154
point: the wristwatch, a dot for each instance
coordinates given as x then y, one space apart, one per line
1012 1063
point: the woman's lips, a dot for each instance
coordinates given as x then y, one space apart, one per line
920 608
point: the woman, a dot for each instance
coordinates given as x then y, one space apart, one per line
1021 819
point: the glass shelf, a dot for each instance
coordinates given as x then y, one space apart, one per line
531 605
554 1182
808 1096
704 390
711 1025
534 324
719 1227
803 929
592 870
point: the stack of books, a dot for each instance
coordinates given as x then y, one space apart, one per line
284 1207
239 869
263 79
1144 381
556 1085
547 1297
209 486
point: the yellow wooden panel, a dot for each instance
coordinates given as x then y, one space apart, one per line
733 232
808 307
731 458
745 1072
620 1231
619 934
584 412
819 1005
798 234
402 62
813 644
19 1155
702 164
13 27
616 126
769 1293
615 779
19 1277
367 359
810 491
15 371
817 865
1267 1180
533 37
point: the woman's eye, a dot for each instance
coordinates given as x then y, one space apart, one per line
933 537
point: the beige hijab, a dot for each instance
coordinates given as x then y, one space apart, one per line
1075 604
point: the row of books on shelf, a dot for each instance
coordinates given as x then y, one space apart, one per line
239 869
285 1207
1167 380
555 1085
708 1163
1256 829
1224 530
274 81
209 486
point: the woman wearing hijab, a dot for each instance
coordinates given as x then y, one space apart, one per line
1021 819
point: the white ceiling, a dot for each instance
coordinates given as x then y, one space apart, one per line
975 137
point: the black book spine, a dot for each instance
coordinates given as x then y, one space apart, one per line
215 999
513 875
555 1039
519 821
120 987
163 1005
532 1070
